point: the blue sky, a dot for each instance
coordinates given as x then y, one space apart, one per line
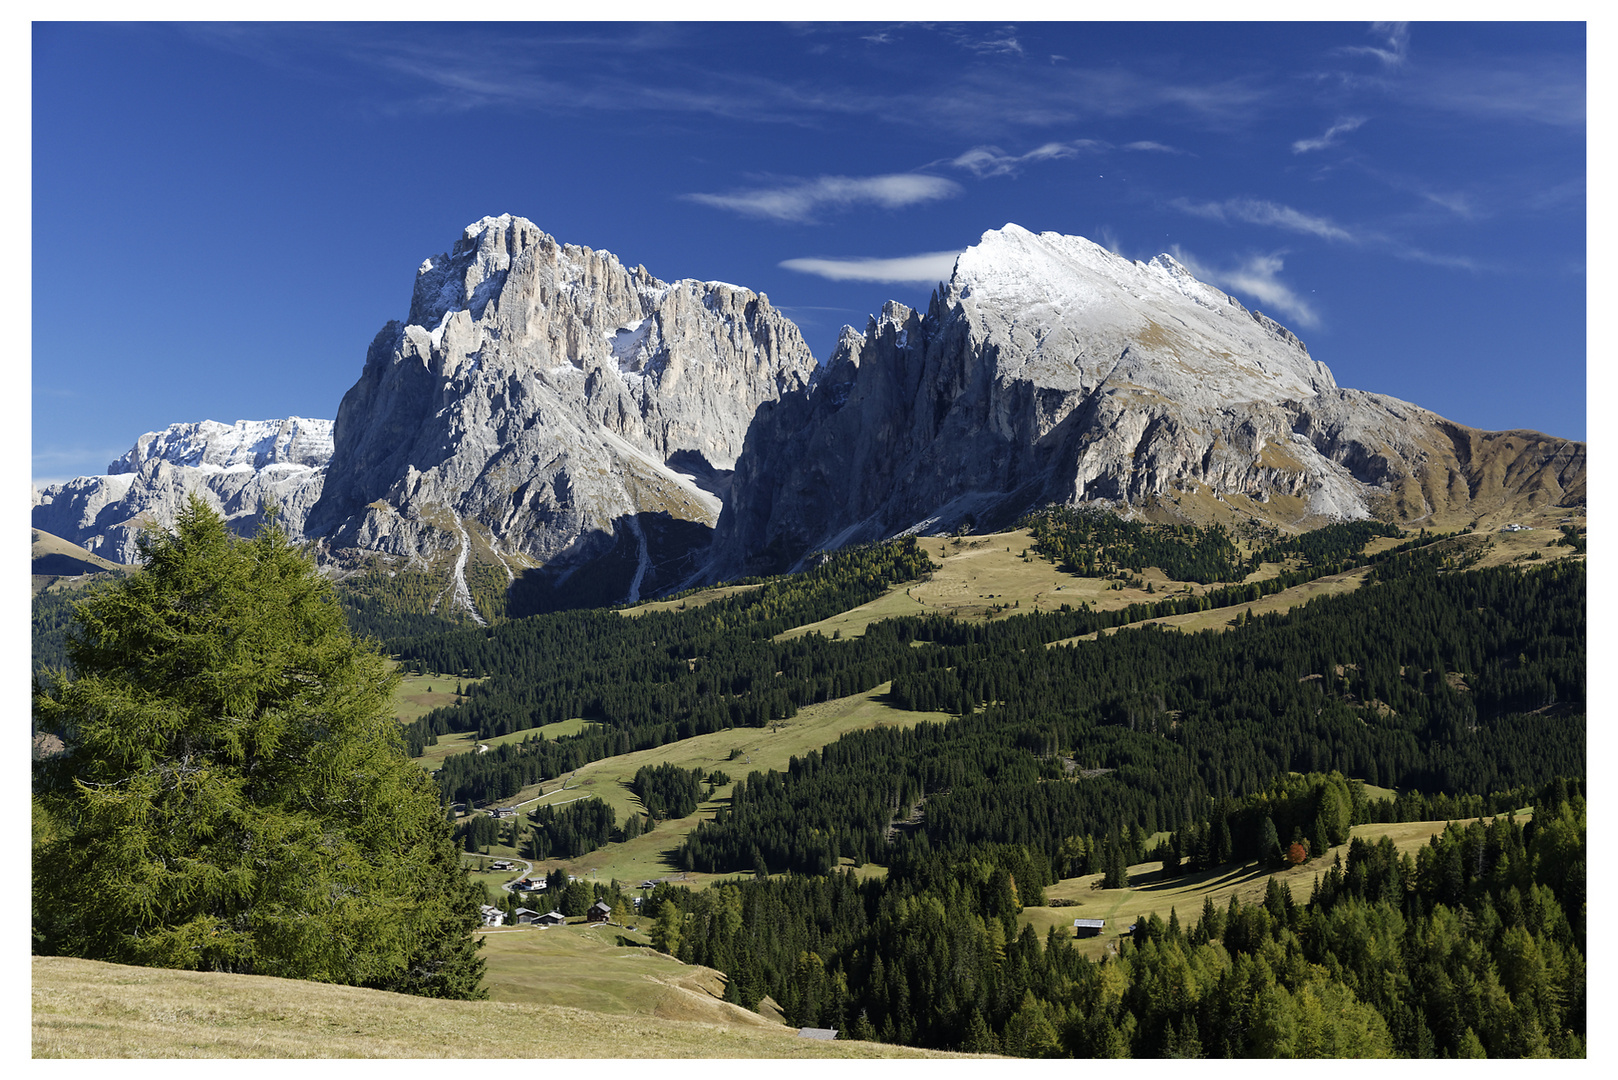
225 215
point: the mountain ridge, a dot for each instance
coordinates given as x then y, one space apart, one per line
1093 380
591 433
238 469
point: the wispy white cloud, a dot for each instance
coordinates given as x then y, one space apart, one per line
1276 215
1433 258
1303 146
986 161
642 70
1257 277
1569 194
1005 42
799 200
926 268
1264 212
983 161
1540 90
1396 35
1459 203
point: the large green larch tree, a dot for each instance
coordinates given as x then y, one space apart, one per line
233 795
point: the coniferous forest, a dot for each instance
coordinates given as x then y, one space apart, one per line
1464 689
1474 948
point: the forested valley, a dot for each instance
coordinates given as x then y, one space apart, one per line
1080 740
1055 757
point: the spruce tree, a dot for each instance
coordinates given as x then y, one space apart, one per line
233 794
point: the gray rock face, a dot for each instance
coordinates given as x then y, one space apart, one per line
545 405
238 469
1052 371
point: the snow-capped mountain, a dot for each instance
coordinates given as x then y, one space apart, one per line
239 469
1050 370
294 443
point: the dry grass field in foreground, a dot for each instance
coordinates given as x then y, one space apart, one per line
87 1009
609 970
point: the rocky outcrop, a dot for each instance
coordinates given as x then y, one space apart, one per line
544 406
1052 371
239 469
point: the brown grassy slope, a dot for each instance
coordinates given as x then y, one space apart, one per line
55 559
1491 477
606 969
1458 476
697 599
87 1009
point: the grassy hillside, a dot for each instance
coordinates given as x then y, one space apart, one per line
985 577
978 578
58 562
694 600
990 576
646 856
611 970
87 1009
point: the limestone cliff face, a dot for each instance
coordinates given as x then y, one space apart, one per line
238 469
1052 371
545 405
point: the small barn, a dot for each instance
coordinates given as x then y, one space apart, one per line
526 915
817 1033
1088 927
599 912
551 918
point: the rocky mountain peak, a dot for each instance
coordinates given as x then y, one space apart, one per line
1051 370
1095 315
553 403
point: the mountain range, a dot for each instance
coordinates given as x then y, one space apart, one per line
598 435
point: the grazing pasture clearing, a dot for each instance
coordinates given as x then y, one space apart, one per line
464 742
1151 893
695 600
999 575
418 695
